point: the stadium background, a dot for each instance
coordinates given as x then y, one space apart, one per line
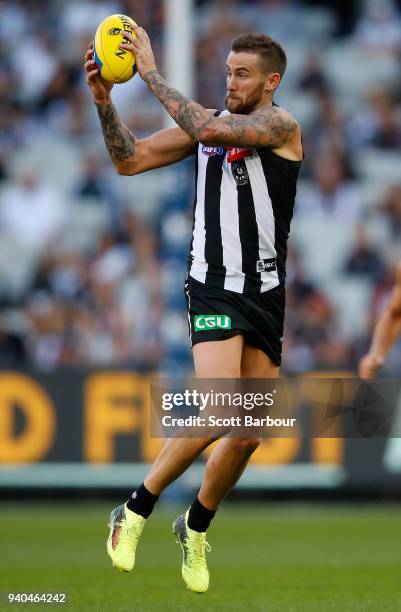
92 263
98 260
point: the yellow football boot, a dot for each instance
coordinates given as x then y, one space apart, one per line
194 546
125 530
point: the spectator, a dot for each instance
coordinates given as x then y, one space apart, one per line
83 16
12 348
43 65
328 133
379 27
32 212
310 327
97 182
391 206
313 79
282 19
364 261
378 125
47 330
334 196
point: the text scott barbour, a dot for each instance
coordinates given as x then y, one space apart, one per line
233 421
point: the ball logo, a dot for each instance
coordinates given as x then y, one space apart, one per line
211 151
114 32
128 28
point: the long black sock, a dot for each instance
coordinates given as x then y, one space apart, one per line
199 517
142 501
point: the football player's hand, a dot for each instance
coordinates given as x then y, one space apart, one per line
100 88
369 365
139 45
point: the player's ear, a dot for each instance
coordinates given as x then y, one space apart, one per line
273 81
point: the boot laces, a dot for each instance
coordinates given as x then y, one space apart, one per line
130 534
199 547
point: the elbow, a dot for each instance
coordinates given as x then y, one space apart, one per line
121 171
124 170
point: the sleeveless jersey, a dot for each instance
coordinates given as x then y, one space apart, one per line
242 213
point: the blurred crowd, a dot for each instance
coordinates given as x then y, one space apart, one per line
92 264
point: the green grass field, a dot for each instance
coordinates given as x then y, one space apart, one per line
274 558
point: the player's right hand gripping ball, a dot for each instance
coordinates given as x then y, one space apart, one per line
115 65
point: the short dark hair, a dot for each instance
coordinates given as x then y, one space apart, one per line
271 52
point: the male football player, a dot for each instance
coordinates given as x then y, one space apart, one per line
247 163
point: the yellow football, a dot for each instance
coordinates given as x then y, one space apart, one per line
115 65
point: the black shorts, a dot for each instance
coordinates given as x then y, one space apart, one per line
219 314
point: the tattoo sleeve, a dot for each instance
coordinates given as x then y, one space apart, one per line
120 142
271 127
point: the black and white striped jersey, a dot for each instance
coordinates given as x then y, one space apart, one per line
242 213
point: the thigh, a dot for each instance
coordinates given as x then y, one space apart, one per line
216 330
256 364
218 358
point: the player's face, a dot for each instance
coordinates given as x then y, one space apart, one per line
246 82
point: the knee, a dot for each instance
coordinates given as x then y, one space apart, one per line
245 446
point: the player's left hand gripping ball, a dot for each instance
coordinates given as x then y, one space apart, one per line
139 45
115 65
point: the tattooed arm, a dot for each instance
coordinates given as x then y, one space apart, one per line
132 155
120 142
129 154
271 127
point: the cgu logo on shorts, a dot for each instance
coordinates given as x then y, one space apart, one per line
211 151
206 322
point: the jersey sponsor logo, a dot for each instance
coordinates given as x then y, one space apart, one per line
212 151
240 174
266 265
207 322
236 153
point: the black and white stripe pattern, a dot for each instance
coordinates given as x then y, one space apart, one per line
242 216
